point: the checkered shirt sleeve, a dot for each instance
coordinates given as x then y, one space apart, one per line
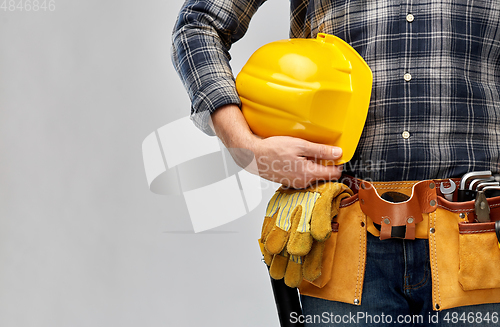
203 35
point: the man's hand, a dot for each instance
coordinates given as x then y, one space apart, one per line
293 162
282 159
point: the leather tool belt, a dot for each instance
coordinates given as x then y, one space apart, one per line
400 219
464 254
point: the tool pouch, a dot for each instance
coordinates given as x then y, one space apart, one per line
464 255
479 256
343 259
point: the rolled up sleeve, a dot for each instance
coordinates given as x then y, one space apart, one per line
202 37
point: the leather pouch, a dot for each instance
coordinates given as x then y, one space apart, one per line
328 255
479 256
344 258
464 258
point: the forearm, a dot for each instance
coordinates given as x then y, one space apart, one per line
231 127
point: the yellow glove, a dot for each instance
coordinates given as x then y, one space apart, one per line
296 225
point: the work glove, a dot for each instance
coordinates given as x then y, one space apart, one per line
296 225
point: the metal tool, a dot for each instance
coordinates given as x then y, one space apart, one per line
491 191
448 191
482 208
465 194
491 188
473 175
473 184
482 185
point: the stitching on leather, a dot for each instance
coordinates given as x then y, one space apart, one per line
395 183
363 255
455 210
348 204
359 262
477 231
357 274
392 188
434 259
435 251
432 246
464 209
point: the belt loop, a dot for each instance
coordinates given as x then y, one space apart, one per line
408 213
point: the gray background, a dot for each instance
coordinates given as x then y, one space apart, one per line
83 242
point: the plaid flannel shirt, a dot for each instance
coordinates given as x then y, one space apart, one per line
435 104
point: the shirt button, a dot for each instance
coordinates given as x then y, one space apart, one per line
410 18
407 77
405 134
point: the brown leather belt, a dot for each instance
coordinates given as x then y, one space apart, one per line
425 197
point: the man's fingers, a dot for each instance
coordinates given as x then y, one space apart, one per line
320 151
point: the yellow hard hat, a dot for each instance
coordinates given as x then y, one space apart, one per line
315 89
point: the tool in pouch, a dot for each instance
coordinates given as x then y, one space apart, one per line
477 187
473 183
448 191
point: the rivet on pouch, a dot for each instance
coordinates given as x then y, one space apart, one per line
432 230
462 215
363 186
410 220
437 307
433 203
356 301
387 221
432 185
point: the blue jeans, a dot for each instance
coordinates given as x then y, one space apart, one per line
397 291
